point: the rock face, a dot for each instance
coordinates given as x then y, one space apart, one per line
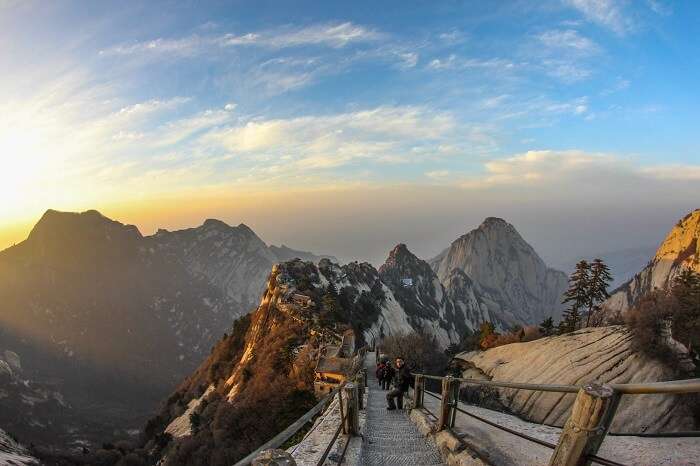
680 249
446 311
257 380
233 259
599 354
116 318
12 453
506 272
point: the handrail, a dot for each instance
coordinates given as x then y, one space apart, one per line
523 386
283 436
287 433
671 386
607 396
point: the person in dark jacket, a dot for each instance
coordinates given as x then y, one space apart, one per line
381 373
401 382
388 376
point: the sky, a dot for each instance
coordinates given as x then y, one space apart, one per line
347 128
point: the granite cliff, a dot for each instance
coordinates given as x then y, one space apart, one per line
680 249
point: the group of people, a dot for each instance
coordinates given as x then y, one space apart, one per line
396 378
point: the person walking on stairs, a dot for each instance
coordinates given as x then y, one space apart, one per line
401 382
381 373
388 376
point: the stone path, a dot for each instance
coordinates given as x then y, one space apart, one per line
390 438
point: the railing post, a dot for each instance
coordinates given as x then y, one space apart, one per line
351 426
584 432
359 378
418 390
450 392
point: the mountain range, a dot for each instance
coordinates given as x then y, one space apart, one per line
106 321
113 319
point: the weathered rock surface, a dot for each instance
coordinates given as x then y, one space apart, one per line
599 354
506 272
233 259
680 249
12 453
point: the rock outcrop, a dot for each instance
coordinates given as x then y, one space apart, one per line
680 249
14 454
257 380
506 272
601 354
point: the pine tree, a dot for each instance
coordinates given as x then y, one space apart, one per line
547 327
577 295
686 319
600 279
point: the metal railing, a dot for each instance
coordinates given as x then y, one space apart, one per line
589 421
348 417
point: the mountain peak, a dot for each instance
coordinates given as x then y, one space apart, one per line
215 223
55 222
494 221
400 250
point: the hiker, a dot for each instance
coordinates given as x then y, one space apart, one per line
381 373
388 375
401 381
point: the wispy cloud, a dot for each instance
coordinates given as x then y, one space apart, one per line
549 169
454 62
335 35
607 13
382 134
569 40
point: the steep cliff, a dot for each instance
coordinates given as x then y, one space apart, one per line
14 454
255 382
511 279
604 354
680 249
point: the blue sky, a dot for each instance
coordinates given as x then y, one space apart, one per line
107 103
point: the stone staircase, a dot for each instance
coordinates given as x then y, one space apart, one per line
389 437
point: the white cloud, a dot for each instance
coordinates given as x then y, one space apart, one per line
453 62
381 135
607 13
231 106
151 106
551 169
570 40
566 71
335 35
452 37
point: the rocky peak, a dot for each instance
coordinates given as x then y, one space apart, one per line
508 269
680 249
681 244
402 264
55 223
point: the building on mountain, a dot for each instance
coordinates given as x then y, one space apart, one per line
334 364
407 282
302 300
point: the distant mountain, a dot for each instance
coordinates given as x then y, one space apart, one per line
623 263
233 259
113 319
680 249
505 271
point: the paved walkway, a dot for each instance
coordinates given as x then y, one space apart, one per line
390 438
